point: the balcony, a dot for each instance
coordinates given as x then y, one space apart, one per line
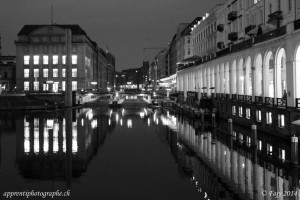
274 18
220 45
220 27
270 35
248 28
297 24
232 16
233 36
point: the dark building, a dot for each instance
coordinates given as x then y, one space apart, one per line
7 73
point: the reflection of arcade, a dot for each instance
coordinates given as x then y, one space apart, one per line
240 169
47 149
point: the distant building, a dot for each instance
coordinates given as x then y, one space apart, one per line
7 73
41 58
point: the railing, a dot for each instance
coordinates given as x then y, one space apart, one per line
220 45
234 97
269 101
223 96
241 98
280 102
248 99
297 102
241 46
270 35
258 100
223 52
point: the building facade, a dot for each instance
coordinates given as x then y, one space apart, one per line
7 73
41 59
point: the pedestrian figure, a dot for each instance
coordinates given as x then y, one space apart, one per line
284 94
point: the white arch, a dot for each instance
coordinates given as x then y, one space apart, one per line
240 77
258 77
280 66
248 77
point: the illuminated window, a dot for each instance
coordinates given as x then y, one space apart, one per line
258 115
63 72
36 85
45 60
26 60
74 59
259 145
55 59
45 72
248 113
269 117
55 72
26 73
74 85
240 111
74 72
281 121
26 85
269 149
64 60
45 87
63 86
36 72
233 110
36 59
241 138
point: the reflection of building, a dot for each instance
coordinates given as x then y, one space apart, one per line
44 147
7 73
41 59
240 169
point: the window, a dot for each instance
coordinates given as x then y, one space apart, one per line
36 73
269 149
258 115
248 113
259 145
74 85
45 60
63 72
45 87
26 85
45 49
26 73
281 121
233 110
269 117
26 49
55 72
35 85
45 72
55 59
54 39
36 59
188 40
54 48
290 5
248 141
44 39
63 86
74 72
241 138
64 60
281 154
240 111
189 51
74 59
26 60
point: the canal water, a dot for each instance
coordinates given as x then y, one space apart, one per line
139 153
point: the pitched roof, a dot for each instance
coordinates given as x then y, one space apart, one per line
76 29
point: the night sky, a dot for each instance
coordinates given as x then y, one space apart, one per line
125 26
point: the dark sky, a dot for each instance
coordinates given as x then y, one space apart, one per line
126 26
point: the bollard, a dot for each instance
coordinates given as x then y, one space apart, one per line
254 135
213 120
230 130
294 151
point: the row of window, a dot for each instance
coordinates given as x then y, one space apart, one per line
55 86
281 120
36 73
45 59
46 48
203 34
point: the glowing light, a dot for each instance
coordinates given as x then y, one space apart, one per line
74 139
123 111
89 114
242 78
94 124
50 123
109 122
121 122
156 120
36 142
243 165
224 153
142 114
148 121
26 140
82 122
129 123
117 117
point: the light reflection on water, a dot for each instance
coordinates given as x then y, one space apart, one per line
210 164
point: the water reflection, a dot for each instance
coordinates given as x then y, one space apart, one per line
58 146
228 167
